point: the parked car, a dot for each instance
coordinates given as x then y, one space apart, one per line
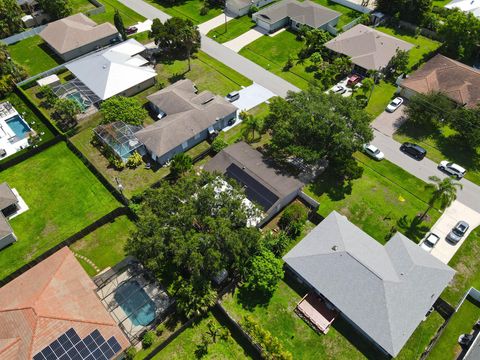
339 89
465 339
373 152
234 95
430 241
452 169
394 104
131 30
353 80
459 230
413 150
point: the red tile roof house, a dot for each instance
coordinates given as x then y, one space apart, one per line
54 305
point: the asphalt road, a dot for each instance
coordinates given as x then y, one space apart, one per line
469 195
223 54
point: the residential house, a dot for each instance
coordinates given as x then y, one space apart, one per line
8 204
265 185
52 312
117 70
187 118
367 48
460 82
294 14
468 6
77 35
383 291
242 7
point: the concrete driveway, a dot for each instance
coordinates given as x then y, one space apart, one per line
205 27
388 123
250 97
243 40
444 251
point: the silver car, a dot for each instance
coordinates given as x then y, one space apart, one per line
452 169
456 234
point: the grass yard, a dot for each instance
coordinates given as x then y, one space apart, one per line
272 54
447 347
63 197
235 28
187 9
34 55
465 262
105 245
442 145
385 197
129 16
81 6
382 94
348 15
440 3
186 345
423 45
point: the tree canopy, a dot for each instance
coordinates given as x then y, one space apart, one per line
118 21
467 124
189 231
429 109
414 11
314 126
57 9
126 109
265 273
10 18
10 71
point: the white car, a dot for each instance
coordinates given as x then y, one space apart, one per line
430 241
339 89
373 152
394 104
452 169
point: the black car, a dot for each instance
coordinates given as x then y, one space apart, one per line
413 150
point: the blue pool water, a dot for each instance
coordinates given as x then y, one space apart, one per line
78 98
19 126
135 302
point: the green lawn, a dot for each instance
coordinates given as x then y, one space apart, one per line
442 145
188 9
272 53
465 262
129 16
382 94
186 345
81 6
348 15
34 55
104 246
423 45
440 3
235 28
385 196
63 197
447 347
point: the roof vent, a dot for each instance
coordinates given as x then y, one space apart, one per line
104 67
334 247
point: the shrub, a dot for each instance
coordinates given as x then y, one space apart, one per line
117 163
134 161
148 339
119 108
264 273
160 329
181 163
204 10
48 95
130 353
293 219
219 144
253 9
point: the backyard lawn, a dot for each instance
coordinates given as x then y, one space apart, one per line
63 197
104 246
423 45
235 28
442 145
386 197
465 262
129 16
188 9
81 6
34 55
447 347
272 54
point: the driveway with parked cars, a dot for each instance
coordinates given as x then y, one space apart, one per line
445 250
389 122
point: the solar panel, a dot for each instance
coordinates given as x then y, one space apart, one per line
69 346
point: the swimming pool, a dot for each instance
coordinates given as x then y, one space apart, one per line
135 302
78 98
18 126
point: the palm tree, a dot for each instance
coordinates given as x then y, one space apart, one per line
444 191
189 36
252 124
368 84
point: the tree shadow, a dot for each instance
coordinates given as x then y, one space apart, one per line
311 68
455 150
251 299
415 229
334 188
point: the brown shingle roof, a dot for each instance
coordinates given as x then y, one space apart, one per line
75 31
7 197
368 48
458 81
46 301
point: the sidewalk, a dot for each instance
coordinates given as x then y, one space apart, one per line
205 27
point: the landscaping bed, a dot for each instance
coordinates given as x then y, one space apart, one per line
63 197
385 199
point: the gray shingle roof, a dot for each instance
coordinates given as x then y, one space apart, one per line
306 12
7 197
368 48
188 114
5 228
259 173
385 290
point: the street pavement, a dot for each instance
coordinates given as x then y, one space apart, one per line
247 68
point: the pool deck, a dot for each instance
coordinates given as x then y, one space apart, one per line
8 139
